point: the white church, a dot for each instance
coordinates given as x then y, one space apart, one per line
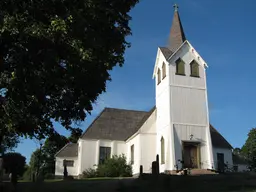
177 128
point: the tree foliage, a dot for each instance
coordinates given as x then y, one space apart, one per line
14 163
237 151
9 140
55 58
249 149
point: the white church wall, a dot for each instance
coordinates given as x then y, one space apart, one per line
89 151
150 124
227 156
182 133
59 169
136 141
189 106
163 117
148 151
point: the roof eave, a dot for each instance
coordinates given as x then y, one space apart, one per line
157 58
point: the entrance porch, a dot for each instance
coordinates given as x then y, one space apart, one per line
191 154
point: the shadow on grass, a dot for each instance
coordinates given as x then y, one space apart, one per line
212 183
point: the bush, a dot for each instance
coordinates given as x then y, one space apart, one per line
90 173
115 167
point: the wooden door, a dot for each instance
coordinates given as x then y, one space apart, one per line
190 156
193 152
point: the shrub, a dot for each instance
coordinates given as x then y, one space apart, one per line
90 173
115 167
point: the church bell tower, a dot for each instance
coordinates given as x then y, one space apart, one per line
183 133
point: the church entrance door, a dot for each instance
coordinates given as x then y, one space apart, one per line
190 155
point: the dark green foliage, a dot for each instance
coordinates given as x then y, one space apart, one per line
90 173
36 158
14 163
8 138
237 151
116 166
55 58
75 134
249 149
27 176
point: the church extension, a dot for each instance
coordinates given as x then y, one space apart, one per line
177 128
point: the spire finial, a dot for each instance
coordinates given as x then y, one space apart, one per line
176 7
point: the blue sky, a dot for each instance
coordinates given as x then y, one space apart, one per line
223 34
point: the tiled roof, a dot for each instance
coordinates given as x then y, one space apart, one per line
114 124
69 150
218 140
166 52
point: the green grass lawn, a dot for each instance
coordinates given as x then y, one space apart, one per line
209 183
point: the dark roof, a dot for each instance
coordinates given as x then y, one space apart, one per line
69 150
218 140
177 35
239 160
114 124
166 52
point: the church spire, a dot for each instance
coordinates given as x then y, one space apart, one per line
177 35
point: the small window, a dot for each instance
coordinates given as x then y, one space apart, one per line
162 151
163 70
158 76
180 67
132 154
194 69
104 154
69 163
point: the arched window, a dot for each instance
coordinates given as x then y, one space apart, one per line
180 67
194 69
163 70
132 154
158 76
162 151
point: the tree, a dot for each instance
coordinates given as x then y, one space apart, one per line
237 151
55 58
249 149
73 138
14 163
51 146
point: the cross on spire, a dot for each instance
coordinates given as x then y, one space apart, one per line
176 7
